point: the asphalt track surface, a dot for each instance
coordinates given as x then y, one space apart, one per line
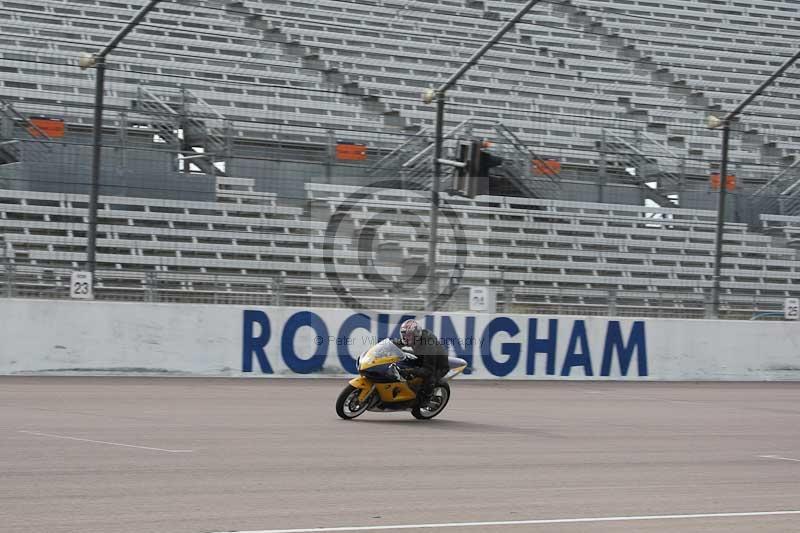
174 455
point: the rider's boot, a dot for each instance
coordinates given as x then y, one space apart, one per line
425 392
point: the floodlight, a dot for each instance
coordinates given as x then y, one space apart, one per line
86 60
713 122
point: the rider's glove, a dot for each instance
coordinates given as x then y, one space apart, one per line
409 373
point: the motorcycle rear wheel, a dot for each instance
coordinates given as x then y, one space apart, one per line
347 404
428 411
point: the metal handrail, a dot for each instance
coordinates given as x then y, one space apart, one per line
461 125
206 106
656 142
791 187
777 178
423 133
638 152
503 130
156 100
13 114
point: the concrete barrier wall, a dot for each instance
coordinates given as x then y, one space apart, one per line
38 336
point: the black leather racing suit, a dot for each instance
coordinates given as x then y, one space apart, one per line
432 360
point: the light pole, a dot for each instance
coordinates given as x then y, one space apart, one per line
714 122
98 62
438 95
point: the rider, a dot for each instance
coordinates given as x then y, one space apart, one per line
429 350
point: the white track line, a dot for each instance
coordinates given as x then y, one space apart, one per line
778 457
525 522
104 442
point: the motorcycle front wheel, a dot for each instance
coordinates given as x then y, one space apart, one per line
435 404
347 405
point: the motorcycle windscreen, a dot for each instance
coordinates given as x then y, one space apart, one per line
385 352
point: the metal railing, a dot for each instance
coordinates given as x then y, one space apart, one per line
647 165
26 281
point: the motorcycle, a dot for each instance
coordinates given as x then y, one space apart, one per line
381 386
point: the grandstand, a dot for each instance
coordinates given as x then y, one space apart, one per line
543 255
235 129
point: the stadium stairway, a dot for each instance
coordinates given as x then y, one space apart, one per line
692 95
382 84
311 57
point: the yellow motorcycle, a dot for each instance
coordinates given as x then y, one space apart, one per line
381 386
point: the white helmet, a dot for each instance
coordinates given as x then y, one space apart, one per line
410 332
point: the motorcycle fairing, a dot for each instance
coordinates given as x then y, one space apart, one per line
395 392
364 384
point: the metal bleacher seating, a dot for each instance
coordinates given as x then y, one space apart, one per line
743 45
783 226
232 250
577 68
308 72
228 66
540 254
544 247
291 70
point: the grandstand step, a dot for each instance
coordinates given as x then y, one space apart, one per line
664 75
580 17
334 75
260 23
9 152
637 114
614 41
295 49
629 51
646 66
678 89
353 88
312 61
698 99
275 35
393 118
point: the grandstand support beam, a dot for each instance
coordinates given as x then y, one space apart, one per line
98 61
94 191
439 95
433 279
715 122
723 185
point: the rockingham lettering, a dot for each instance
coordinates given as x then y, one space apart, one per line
309 341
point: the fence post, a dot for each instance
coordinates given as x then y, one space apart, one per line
4 263
603 170
277 289
507 296
707 299
612 302
396 288
150 286
123 142
330 155
10 280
